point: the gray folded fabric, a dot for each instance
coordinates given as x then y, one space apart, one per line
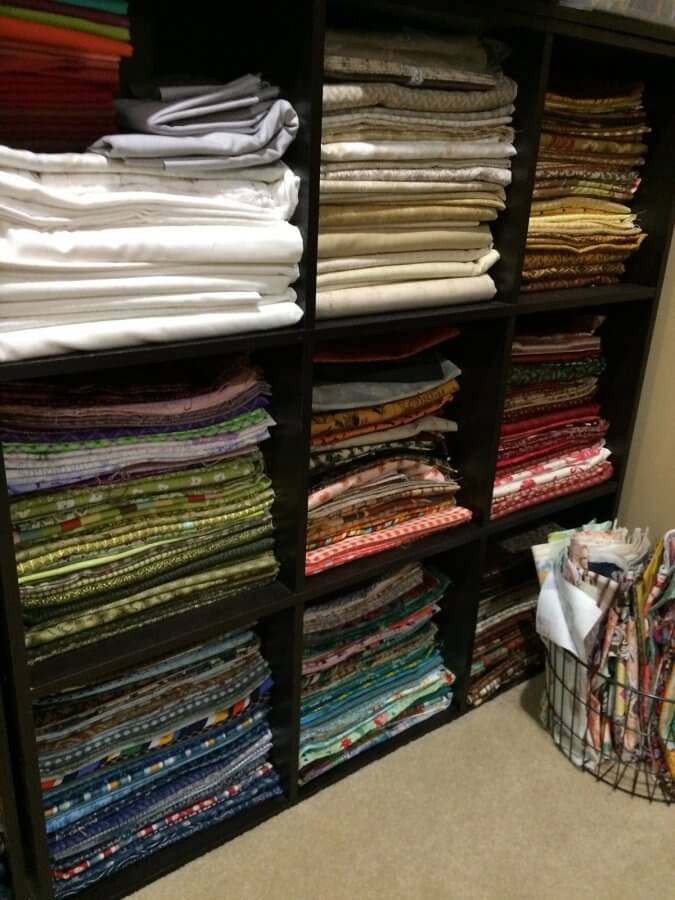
229 128
183 110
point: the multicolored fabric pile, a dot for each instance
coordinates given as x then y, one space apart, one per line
136 498
60 71
553 437
131 765
380 472
416 150
506 648
607 611
581 226
372 667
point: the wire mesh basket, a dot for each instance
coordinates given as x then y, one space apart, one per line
623 736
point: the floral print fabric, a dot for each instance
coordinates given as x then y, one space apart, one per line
372 667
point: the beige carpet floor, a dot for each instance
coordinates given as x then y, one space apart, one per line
483 808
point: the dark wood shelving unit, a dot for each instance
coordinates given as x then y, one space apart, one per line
285 43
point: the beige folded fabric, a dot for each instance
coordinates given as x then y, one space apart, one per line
406 295
407 118
337 190
542 228
361 68
375 241
498 171
373 133
565 244
469 151
375 260
394 96
578 205
477 200
419 225
414 46
400 273
393 214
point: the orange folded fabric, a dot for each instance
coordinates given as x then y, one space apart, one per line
51 36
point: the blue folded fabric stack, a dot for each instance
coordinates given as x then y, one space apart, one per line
372 667
134 764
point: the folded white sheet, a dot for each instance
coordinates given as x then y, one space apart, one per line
52 341
63 201
94 163
42 315
189 244
27 288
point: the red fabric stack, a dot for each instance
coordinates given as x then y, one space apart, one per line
59 71
552 437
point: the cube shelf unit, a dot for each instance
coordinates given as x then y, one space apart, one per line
285 42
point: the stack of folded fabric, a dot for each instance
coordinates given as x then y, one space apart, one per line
552 437
506 648
380 471
134 764
410 175
581 226
136 498
60 68
5 889
183 237
372 667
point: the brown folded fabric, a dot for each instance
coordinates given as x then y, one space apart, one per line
580 270
562 283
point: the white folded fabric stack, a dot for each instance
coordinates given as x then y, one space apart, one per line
102 250
415 157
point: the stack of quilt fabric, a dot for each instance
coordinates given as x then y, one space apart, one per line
581 225
123 246
135 498
380 470
552 438
60 71
131 765
372 667
417 141
507 649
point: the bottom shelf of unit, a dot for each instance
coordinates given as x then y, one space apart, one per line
534 514
156 865
377 752
528 676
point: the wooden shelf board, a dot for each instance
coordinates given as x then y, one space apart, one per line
104 360
575 298
377 752
533 514
169 635
341 577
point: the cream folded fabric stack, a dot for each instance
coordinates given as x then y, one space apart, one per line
415 158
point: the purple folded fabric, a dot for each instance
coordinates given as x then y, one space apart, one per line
93 434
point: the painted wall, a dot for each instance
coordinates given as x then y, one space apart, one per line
648 496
